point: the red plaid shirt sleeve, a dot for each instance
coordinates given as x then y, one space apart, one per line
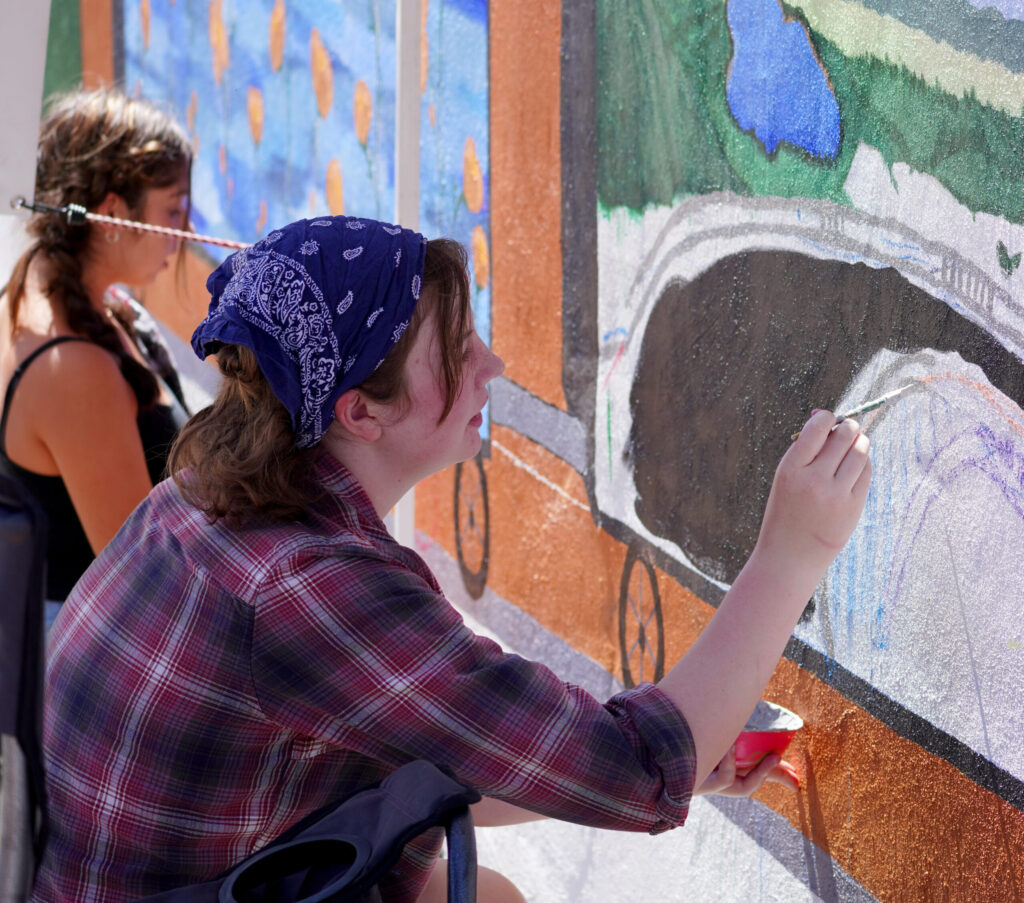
409 680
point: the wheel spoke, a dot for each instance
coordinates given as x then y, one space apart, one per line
633 606
469 492
642 621
646 652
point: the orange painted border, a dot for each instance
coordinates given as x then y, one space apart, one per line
526 194
97 26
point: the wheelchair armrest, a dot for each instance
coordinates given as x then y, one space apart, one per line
461 858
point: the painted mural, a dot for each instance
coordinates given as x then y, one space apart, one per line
809 204
454 136
766 208
292 111
291 107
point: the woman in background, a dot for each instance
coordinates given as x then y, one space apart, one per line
90 404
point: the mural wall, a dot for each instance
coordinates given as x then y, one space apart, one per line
766 208
292 111
690 224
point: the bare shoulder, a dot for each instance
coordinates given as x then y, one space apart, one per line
70 366
71 396
72 374
79 357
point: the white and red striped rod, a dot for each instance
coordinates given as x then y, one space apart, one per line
75 213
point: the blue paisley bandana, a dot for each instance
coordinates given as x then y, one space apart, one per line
320 302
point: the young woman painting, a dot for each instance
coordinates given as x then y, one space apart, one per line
254 645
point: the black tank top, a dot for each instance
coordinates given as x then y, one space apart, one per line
68 549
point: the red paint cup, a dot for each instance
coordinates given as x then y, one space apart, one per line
769 730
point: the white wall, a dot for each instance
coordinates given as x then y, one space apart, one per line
13 241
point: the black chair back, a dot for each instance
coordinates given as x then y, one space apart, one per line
340 853
22 591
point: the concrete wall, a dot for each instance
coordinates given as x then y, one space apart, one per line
686 237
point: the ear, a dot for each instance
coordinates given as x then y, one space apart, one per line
358 416
113 205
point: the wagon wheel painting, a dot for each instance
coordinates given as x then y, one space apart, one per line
641 629
472 525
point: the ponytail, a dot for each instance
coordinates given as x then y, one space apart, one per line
237 458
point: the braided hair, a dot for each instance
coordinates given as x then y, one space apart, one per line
92 143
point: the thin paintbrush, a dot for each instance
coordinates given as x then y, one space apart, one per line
868 405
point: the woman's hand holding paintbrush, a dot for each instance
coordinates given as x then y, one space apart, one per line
867 406
816 499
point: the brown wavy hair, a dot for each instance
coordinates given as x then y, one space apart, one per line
237 459
92 143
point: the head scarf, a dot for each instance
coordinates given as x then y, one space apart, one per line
320 302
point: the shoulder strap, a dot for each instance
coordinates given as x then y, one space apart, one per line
16 376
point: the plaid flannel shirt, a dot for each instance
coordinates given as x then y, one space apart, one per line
207 687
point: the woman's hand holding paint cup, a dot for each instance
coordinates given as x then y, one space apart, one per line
729 780
756 756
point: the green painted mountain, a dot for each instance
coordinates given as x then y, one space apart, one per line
665 130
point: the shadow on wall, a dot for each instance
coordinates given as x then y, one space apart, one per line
739 356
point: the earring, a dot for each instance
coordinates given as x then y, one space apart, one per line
112 236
